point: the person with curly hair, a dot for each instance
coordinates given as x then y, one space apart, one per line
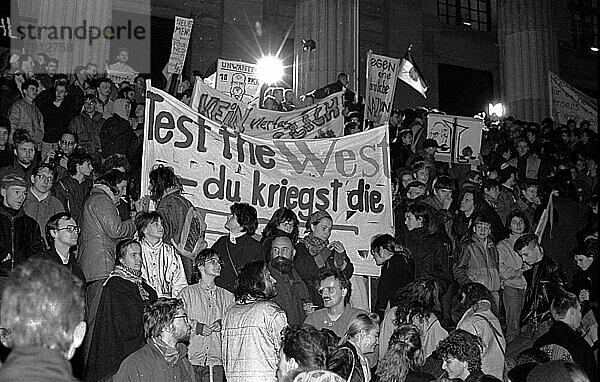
417 304
403 356
283 220
461 352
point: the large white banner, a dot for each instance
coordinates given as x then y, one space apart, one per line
349 177
566 102
382 72
179 44
459 137
323 119
238 79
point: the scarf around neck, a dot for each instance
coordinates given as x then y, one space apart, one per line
317 248
131 275
171 354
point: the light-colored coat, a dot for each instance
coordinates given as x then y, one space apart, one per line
162 269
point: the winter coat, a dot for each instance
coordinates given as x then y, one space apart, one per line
484 324
72 194
117 137
162 269
41 210
478 262
20 238
25 115
87 129
36 364
251 338
396 272
101 230
510 264
56 118
544 281
235 256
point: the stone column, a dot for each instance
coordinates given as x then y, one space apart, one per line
528 52
332 24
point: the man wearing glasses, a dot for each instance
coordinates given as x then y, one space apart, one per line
206 304
335 290
163 357
40 204
62 234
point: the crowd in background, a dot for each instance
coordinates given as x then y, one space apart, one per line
477 282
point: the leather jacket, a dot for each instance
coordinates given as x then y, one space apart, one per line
544 280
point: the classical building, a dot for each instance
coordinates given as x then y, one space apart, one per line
471 51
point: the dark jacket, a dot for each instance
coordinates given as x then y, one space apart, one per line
72 194
56 119
544 280
587 279
346 363
149 365
117 137
291 294
308 269
234 257
36 365
119 327
397 272
565 336
101 230
72 265
17 169
20 237
87 129
430 256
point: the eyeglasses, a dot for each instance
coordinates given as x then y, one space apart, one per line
45 178
70 228
68 143
329 290
184 316
214 261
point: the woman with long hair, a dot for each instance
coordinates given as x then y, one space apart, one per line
349 360
477 302
403 357
283 220
417 304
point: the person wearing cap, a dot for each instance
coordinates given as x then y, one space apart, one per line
20 235
315 253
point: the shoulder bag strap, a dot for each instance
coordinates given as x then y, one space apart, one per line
494 330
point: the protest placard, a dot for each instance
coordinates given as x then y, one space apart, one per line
323 119
382 72
349 177
118 76
237 79
179 44
567 102
459 137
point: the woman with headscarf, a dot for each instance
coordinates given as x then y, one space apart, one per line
315 253
117 135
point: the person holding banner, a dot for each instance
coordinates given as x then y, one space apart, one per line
314 253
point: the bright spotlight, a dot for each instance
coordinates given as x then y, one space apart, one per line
269 70
497 109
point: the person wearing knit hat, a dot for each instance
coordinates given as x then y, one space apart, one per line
20 235
315 253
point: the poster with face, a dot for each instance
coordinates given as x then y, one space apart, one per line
459 137
238 79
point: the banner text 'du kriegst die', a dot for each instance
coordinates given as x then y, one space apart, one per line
348 177
323 119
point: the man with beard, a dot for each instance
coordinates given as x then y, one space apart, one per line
206 303
252 327
24 161
164 357
335 290
292 293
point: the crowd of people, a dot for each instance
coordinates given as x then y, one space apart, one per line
482 280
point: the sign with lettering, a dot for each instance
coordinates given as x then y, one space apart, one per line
459 137
382 73
237 79
566 102
323 119
349 177
179 44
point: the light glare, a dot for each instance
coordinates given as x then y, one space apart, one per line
269 70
